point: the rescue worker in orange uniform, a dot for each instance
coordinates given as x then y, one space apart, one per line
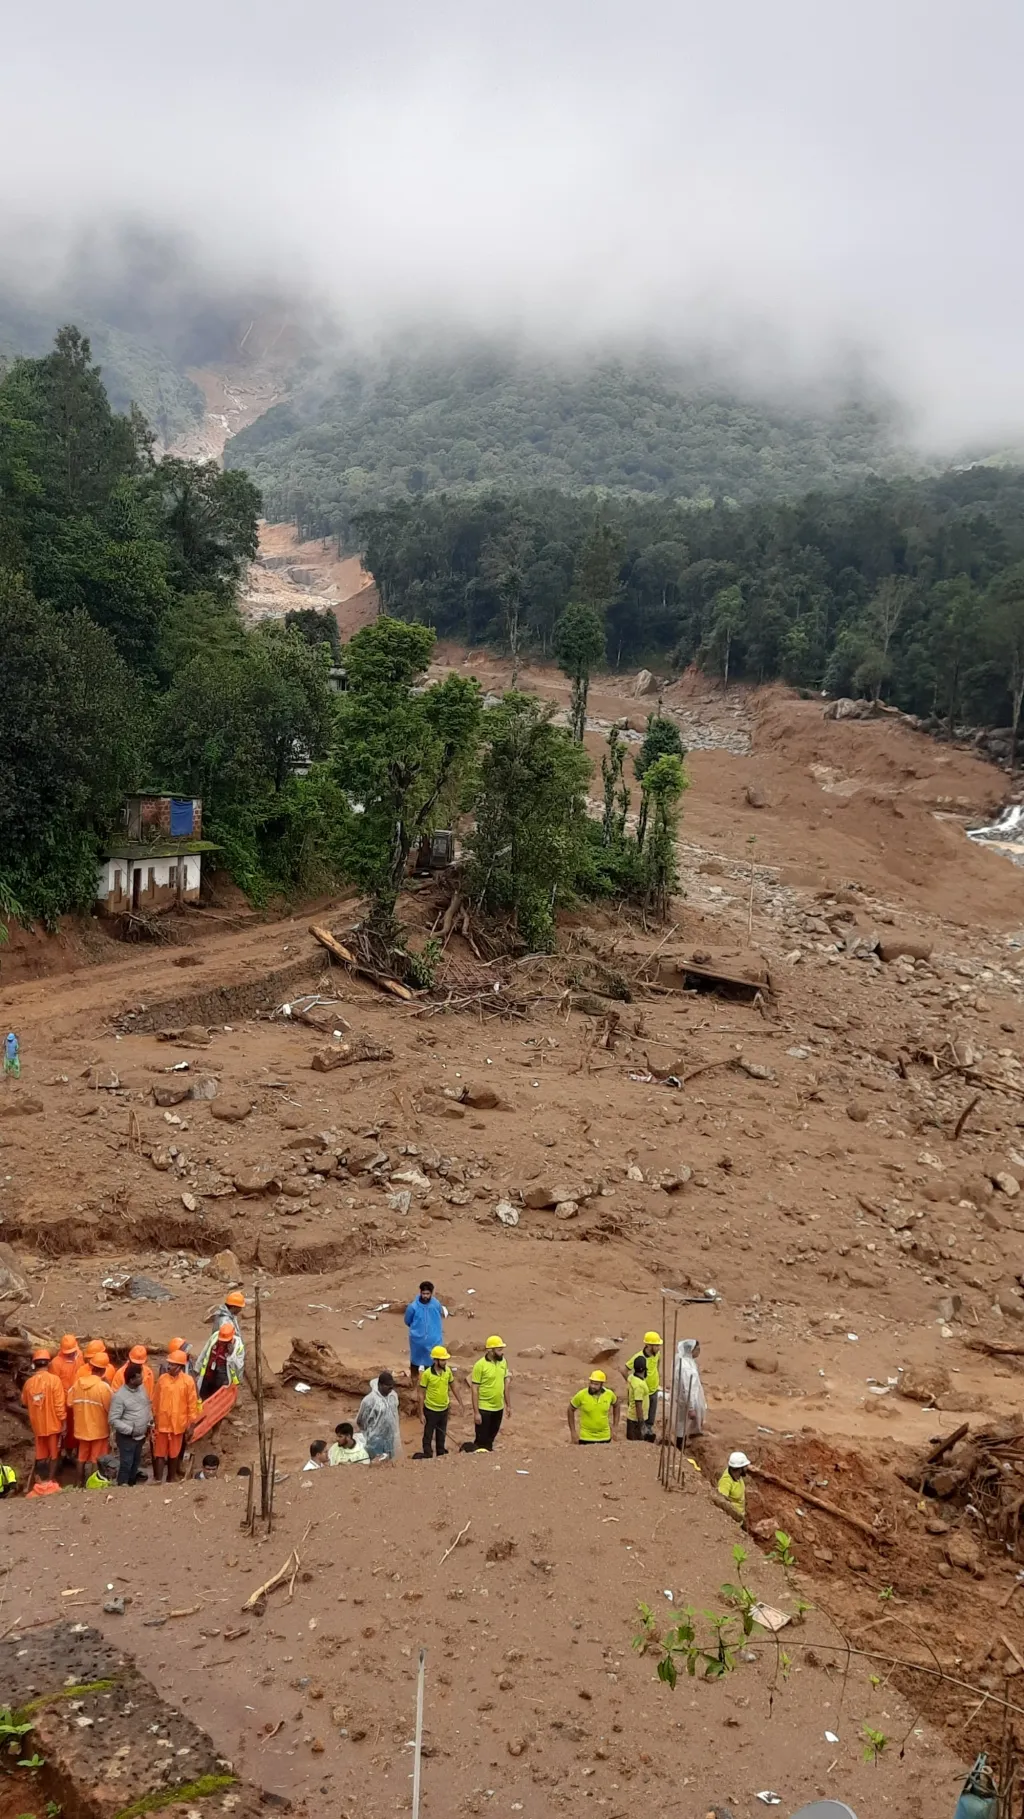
94 1349
89 1401
137 1355
175 1409
66 1365
43 1396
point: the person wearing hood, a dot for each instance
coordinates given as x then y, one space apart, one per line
377 1419
732 1485
66 1364
221 1361
691 1403
175 1410
89 1399
43 1397
424 1318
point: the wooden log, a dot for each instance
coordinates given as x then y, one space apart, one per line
818 1503
348 958
996 1348
944 1446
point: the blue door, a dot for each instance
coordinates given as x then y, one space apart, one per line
182 818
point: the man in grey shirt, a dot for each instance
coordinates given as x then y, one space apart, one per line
131 1417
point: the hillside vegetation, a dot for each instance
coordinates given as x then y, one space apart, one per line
911 589
425 422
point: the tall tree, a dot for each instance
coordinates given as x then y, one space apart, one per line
1006 632
530 823
579 645
401 753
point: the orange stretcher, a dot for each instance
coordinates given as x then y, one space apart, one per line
215 1408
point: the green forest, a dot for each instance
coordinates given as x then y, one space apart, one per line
127 667
910 589
422 422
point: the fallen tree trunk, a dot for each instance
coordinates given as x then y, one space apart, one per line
996 1348
319 1365
818 1503
348 958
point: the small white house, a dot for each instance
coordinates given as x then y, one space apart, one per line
149 868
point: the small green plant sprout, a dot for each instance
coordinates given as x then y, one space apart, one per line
11 1731
781 1549
421 968
887 1594
33 1761
875 1742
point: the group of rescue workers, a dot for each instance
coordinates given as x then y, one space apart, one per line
85 1411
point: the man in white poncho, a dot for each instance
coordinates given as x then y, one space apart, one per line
691 1407
377 1420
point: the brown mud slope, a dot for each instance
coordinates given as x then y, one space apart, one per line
809 1169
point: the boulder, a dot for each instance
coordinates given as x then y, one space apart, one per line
644 684
673 1180
1007 1184
172 1092
482 1098
19 1106
552 1193
567 1209
207 1088
225 1266
601 1347
924 1383
858 1112
230 1111
412 1178
755 798
256 1182
362 1154
507 1213
346 1054
103 1080
900 947
765 1363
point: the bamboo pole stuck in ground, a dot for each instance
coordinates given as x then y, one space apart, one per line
260 1413
417 1759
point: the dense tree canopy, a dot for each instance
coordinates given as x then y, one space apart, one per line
423 421
910 588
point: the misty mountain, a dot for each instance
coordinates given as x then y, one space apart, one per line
419 422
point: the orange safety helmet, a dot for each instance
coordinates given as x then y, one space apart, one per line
69 1344
177 1357
235 1299
40 1355
138 1355
226 1331
94 1346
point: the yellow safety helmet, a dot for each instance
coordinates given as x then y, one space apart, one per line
598 1377
439 1351
494 1344
653 1339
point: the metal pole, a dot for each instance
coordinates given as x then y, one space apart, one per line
418 1748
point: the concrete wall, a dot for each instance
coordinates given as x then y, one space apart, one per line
159 884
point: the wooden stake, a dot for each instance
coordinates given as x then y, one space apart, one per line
418 1748
260 1415
818 1503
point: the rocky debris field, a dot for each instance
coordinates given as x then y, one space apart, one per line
838 1154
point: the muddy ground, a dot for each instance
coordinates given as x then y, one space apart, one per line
807 1171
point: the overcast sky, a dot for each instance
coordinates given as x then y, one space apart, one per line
817 175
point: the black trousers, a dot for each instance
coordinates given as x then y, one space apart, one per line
487 1427
435 1428
129 1453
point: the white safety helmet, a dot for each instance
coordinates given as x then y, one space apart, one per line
738 1462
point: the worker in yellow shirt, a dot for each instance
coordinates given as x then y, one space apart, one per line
437 1387
593 1405
489 1387
732 1485
651 1357
638 1405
